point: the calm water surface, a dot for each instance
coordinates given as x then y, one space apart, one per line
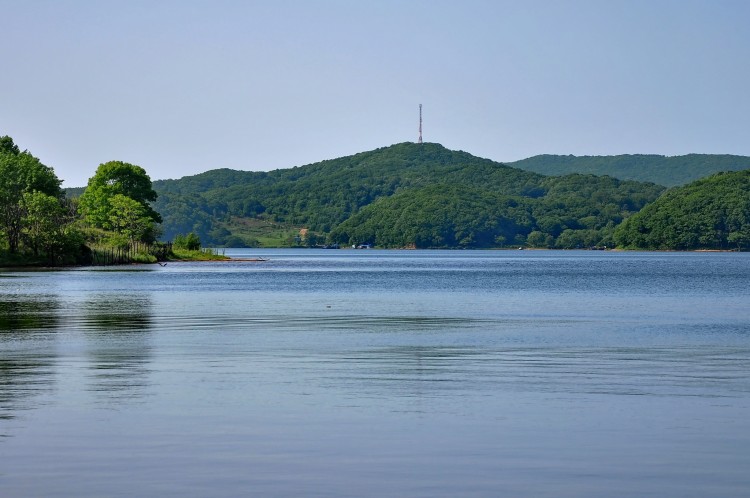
380 373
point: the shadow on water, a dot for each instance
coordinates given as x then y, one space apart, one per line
117 331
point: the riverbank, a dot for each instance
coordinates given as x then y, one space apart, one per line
197 255
101 256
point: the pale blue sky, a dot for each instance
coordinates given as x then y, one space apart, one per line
181 87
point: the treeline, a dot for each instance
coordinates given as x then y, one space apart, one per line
37 222
577 211
332 198
405 195
669 171
40 225
711 213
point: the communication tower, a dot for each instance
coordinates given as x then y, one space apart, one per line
420 123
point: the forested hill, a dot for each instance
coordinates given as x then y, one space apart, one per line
710 213
669 171
463 201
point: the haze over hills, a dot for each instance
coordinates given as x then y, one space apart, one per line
669 171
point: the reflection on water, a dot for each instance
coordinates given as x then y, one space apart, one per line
27 325
23 377
117 331
24 312
113 313
115 338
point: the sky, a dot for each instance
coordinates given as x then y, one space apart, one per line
180 87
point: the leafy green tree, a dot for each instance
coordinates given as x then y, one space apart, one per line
7 146
740 238
577 239
20 173
41 223
48 227
191 242
116 178
130 218
179 241
539 239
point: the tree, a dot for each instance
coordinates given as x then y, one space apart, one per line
20 173
41 222
8 146
47 227
539 239
129 218
191 242
711 213
116 178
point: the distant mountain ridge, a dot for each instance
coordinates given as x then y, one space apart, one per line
403 195
669 171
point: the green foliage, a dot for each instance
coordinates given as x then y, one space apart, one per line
192 242
663 170
340 192
40 226
577 211
238 242
189 242
74 192
47 228
185 213
143 258
321 195
711 213
199 255
130 218
20 174
540 240
438 216
117 198
256 232
406 195
7 146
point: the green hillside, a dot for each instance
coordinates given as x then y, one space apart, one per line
478 202
711 213
663 170
575 211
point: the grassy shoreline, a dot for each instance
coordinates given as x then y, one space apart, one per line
197 255
8 260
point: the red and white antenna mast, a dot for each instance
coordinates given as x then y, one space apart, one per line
420 123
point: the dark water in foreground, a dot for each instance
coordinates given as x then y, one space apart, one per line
369 373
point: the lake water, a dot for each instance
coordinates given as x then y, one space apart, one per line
380 373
